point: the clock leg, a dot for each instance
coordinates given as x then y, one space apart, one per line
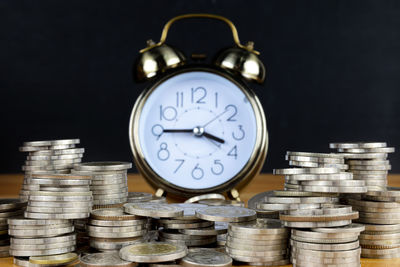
234 194
159 193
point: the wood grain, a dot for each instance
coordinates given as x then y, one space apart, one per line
11 183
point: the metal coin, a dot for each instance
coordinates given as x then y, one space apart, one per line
7 204
104 244
381 156
205 257
325 247
311 154
119 229
301 200
40 232
153 252
203 197
62 204
253 247
315 159
153 210
170 234
312 177
104 259
352 228
58 182
191 242
226 214
367 150
43 246
37 215
103 166
117 235
317 224
62 259
258 242
368 162
138 197
358 145
259 226
110 223
186 225
30 253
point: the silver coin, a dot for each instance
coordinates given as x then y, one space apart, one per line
62 204
226 214
352 228
86 209
334 189
171 234
39 227
367 150
42 246
203 197
301 200
40 232
45 252
60 182
191 242
36 197
381 156
117 234
24 221
119 229
186 225
260 197
153 252
315 159
368 162
40 241
317 224
153 210
104 259
37 215
7 204
358 145
103 166
206 231
259 226
308 177
139 197
206 257
110 223
113 244
311 154
325 247
259 242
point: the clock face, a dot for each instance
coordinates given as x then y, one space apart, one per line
197 130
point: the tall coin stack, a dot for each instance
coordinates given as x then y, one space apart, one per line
379 208
109 182
367 161
112 229
9 208
54 156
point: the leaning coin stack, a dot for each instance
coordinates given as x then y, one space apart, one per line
111 229
189 229
109 182
55 156
380 213
9 208
258 242
367 161
326 246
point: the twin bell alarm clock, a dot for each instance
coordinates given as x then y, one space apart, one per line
198 128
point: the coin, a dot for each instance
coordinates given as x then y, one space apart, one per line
206 257
259 226
315 159
108 244
7 204
325 247
352 228
153 252
138 197
206 196
310 154
103 166
104 259
61 259
26 253
153 210
358 145
226 214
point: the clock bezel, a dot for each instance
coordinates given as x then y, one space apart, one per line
253 165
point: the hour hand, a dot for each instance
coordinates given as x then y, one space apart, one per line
213 137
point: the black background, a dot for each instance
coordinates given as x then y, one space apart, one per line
65 69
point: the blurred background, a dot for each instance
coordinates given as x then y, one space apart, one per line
333 69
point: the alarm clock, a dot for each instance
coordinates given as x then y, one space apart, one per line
198 128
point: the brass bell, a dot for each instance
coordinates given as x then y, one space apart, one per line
242 61
156 59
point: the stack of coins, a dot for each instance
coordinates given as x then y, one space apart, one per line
367 161
380 213
326 246
109 182
30 237
9 208
59 196
55 156
188 229
259 242
111 229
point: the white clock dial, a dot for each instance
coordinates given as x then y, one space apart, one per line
197 130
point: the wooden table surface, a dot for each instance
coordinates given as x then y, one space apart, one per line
10 185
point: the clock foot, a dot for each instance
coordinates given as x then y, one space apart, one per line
159 193
234 194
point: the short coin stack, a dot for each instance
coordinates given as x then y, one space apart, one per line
258 242
109 181
59 196
326 246
56 156
30 237
111 229
9 208
367 161
188 229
